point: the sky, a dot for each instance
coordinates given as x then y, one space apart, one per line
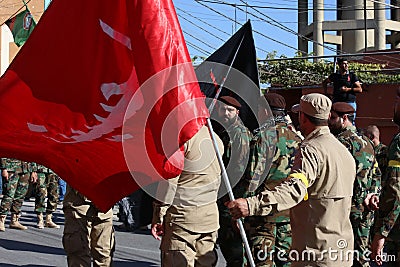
207 24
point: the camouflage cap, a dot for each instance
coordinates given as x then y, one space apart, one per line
316 105
275 101
231 101
341 108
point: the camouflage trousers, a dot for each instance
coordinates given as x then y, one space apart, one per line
361 223
269 242
13 196
47 184
230 243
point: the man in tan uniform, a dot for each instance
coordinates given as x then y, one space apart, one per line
318 191
187 215
88 232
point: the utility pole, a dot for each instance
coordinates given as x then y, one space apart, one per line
365 27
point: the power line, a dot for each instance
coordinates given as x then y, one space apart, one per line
283 27
219 38
286 8
198 39
267 37
201 50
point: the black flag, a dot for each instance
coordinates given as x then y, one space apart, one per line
236 72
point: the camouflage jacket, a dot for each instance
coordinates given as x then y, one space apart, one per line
16 165
236 139
381 152
368 176
287 143
388 222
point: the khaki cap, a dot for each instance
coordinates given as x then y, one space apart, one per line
316 105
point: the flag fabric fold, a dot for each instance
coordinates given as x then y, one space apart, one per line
73 106
236 71
21 26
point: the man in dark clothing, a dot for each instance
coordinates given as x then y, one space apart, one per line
345 84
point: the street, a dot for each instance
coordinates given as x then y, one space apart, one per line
39 248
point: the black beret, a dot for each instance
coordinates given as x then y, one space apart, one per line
231 101
342 108
275 100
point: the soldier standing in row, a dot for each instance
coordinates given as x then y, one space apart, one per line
186 213
367 182
387 226
236 139
46 184
88 233
270 237
381 149
16 173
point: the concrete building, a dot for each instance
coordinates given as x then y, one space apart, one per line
360 25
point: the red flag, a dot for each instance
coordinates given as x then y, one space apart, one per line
86 67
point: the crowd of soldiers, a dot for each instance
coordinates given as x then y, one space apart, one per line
329 192
16 177
345 188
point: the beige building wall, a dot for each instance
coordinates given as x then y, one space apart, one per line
8 8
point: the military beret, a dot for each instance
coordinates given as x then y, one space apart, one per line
316 105
231 101
342 108
275 101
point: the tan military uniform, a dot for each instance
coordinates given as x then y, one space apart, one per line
323 173
191 217
88 232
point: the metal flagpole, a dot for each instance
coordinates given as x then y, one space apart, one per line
221 163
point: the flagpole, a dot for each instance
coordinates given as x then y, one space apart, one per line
230 192
221 163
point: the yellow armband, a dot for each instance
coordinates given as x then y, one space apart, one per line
394 163
302 178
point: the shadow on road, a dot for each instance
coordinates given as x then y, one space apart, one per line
24 246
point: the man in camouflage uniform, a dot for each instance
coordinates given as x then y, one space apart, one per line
387 225
236 139
317 191
270 236
16 173
367 182
381 149
46 184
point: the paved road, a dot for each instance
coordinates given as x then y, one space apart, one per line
40 248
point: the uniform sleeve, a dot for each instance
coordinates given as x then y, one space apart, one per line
261 151
292 191
240 155
166 191
375 187
390 203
